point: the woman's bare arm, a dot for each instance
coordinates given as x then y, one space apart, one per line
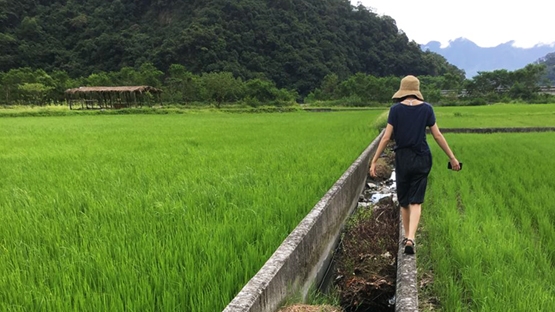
381 147
440 140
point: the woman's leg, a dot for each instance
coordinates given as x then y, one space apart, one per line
405 215
411 218
414 218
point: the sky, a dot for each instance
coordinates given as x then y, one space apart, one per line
487 23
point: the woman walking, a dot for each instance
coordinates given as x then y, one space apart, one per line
406 124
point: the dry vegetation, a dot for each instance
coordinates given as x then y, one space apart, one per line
366 266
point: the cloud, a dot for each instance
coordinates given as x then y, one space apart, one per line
487 23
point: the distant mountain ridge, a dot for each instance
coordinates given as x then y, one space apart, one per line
472 58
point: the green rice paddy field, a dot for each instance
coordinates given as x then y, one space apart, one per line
489 230
495 116
158 212
178 212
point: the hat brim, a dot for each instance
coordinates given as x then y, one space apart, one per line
402 93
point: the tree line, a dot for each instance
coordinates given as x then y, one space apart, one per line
25 86
498 86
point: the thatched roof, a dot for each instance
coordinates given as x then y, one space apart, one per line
139 89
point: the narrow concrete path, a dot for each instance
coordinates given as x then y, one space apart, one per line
406 292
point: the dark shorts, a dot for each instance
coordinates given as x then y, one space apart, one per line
411 171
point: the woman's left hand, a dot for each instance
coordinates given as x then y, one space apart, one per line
373 170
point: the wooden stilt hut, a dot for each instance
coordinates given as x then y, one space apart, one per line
112 97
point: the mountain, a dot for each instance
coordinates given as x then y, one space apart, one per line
294 43
549 62
468 56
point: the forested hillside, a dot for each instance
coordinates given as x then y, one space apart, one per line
294 43
549 62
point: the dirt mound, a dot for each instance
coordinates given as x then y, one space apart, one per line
383 170
385 164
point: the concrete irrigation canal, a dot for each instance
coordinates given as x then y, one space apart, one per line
304 257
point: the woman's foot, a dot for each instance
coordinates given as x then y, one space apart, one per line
409 246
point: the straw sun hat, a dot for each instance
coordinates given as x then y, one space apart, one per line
410 85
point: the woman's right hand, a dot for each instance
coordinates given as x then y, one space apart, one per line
455 164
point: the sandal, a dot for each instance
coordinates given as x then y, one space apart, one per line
409 248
